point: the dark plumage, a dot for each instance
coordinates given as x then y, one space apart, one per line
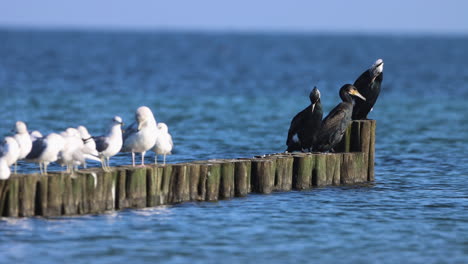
337 121
101 143
305 125
38 147
368 84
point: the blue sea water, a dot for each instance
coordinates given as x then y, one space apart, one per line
233 95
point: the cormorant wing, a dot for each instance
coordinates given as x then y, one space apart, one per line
296 123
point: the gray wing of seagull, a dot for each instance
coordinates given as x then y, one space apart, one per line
37 149
130 130
101 143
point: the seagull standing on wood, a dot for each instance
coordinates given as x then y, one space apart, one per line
141 135
110 144
163 144
46 150
23 139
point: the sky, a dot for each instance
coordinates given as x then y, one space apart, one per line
367 16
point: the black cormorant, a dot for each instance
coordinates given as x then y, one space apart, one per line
305 125
335 124
368 84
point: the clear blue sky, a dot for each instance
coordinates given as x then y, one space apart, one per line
397 16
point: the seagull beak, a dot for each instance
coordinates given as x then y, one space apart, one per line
356 93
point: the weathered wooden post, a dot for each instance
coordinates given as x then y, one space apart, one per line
263 175
10 196
302 171
131 186
242 175
283 171
352 168
179 185
213 177
197 182
27 194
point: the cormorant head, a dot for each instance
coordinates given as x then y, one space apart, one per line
314 97
351 90
376 68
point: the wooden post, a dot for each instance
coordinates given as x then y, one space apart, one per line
284 172
154 184
326 169
54 195
226 183
242 175
10 196
263 175
132 187
352 168
197 183
213 177
302 172
27 195
179 186
371 164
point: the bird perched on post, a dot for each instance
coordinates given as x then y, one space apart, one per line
368 84
111 143
46 150
338 120
9 153
23 139
141 135
163 144
305 125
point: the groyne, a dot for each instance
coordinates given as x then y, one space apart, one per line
94 191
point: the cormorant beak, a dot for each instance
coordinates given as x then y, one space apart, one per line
313 107
356 93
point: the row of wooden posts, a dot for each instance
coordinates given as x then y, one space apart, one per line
93 191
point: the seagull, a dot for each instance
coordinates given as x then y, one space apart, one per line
35 135
46 150
23 139
110 144
10 150
4 169
163 144
72 155
141 135
89 148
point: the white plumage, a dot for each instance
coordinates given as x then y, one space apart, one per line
110 144
163 144
46 150
140 136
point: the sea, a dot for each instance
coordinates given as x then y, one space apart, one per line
231 95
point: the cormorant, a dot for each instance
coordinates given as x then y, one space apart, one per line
305 125
335 124
368 84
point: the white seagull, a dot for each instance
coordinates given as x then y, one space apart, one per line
72 155
89 148
163 144
110 144
4 169
10 150
23 139
46 150
140 136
